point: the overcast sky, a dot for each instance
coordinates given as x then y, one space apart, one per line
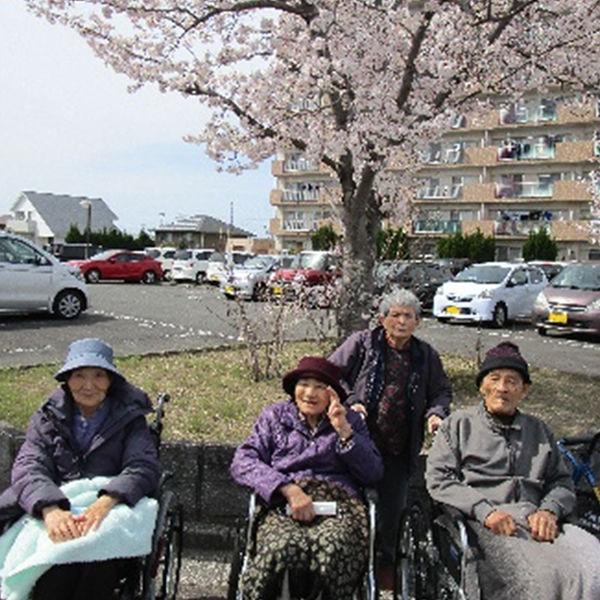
69 126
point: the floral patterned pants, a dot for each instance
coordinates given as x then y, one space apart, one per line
330 553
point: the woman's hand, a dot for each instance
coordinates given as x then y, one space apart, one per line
337 416
61 525
91 518
301 504
501 523
543 525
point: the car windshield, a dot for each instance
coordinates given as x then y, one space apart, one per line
103 255
256 262
483 274
578 277
308 261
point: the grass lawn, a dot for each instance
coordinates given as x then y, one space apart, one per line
214 399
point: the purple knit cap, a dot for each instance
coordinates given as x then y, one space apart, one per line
505 355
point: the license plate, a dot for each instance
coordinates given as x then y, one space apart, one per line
453 310
229 289
277 290
557 318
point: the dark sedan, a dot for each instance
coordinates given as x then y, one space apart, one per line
120 265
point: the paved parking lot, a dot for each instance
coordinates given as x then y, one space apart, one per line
137 319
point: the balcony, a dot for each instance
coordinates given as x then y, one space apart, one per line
538 149
281 168
314 196
435 226
440 192
21 226
511 227
523 189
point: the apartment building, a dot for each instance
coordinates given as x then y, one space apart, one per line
521 167
518 168
304 200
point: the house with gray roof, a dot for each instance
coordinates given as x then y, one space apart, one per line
198 231
46 218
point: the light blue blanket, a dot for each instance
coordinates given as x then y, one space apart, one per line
26 551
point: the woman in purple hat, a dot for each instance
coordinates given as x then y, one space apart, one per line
93 424
502 469
302 450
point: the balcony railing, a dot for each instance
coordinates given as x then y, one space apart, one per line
311 195
292 165
435 226
520 228
436 192
523 189
523 150
296 225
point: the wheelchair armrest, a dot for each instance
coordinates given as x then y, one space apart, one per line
370 495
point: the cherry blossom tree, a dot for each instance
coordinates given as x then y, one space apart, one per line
357 85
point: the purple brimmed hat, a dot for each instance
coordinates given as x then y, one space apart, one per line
318 368
88 352
505 355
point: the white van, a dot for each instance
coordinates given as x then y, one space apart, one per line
492 292
33 280
192 264
165 256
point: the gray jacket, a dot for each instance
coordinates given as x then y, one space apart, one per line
477 465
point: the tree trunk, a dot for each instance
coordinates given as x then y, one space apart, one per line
362 220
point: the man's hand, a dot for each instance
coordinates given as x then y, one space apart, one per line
501 523
433 423
543 525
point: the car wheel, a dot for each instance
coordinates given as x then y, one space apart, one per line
499 317
443 319
68 304
200 277
92 276
167 276
542 331
149 277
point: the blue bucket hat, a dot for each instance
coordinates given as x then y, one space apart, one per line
88 352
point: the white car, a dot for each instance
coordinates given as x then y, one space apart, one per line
33 280
192 264
165 256
492 292
220 266
249 280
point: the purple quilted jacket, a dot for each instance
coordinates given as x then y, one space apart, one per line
122 449
281 450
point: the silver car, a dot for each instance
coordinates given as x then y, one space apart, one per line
33 280
249 280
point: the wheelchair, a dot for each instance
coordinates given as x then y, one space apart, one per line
583 456
156 575
431 553
244 540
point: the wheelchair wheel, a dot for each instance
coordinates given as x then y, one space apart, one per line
237 563
163 565
414 574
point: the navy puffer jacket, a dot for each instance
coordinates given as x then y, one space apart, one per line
123 449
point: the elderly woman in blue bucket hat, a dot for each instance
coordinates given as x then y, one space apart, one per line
92 425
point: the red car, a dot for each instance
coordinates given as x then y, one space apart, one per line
311 272
123 265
